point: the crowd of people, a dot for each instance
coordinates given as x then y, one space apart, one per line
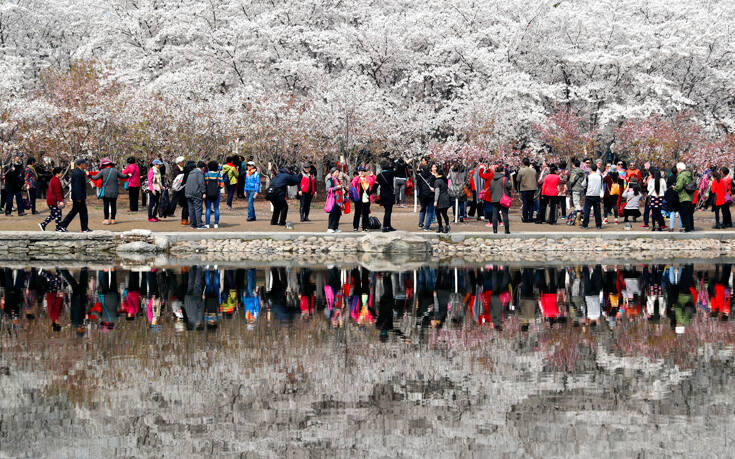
200 297
574 193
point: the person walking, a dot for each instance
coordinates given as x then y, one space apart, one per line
527 185
363 184
155 188
195 191
386 181
132 170
31 183
214 183
14 182
441 200
252 188
595 192
229 175
110 189
54 200
307 190
656 193
276 194
78 198
334 187
500 186
685 187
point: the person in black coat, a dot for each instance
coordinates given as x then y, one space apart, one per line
78 197
277 194
14 180
425 183
387 193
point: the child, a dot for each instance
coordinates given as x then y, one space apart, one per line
632 196
55 200
213 184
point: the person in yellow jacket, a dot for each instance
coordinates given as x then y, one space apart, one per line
229 174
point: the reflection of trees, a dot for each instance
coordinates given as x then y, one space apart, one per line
657 341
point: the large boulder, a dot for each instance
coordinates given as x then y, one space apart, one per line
394 242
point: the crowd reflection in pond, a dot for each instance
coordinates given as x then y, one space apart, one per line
200 297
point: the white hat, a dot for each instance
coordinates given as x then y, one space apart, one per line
180 159
681 166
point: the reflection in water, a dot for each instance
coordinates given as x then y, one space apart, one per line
83 338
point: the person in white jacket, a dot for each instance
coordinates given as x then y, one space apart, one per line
593 196
632 196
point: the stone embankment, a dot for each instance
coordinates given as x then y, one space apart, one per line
397 247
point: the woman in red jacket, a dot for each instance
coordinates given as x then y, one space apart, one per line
486 174
55 201
720 189
549 195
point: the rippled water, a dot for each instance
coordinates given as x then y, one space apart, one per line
627 360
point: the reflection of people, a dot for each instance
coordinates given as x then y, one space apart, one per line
306 293
194 299
684 308
109 297
361 300
78 300
719 293
250 300
211 295
333 297
276 296
527 299
13 283
592 286
384 321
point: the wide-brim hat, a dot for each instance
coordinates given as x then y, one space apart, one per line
106 161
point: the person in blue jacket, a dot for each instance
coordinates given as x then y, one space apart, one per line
252 188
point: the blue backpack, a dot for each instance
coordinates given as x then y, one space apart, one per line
354 194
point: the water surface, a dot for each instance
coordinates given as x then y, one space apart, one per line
595 360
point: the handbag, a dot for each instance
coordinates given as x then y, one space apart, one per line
505 200
728 198
347 207
329 204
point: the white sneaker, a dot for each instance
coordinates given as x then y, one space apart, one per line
338 231
330 230
216 226
206 226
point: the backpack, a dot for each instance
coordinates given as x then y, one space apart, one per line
178 182
212 189
374 223
691 187
354 194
